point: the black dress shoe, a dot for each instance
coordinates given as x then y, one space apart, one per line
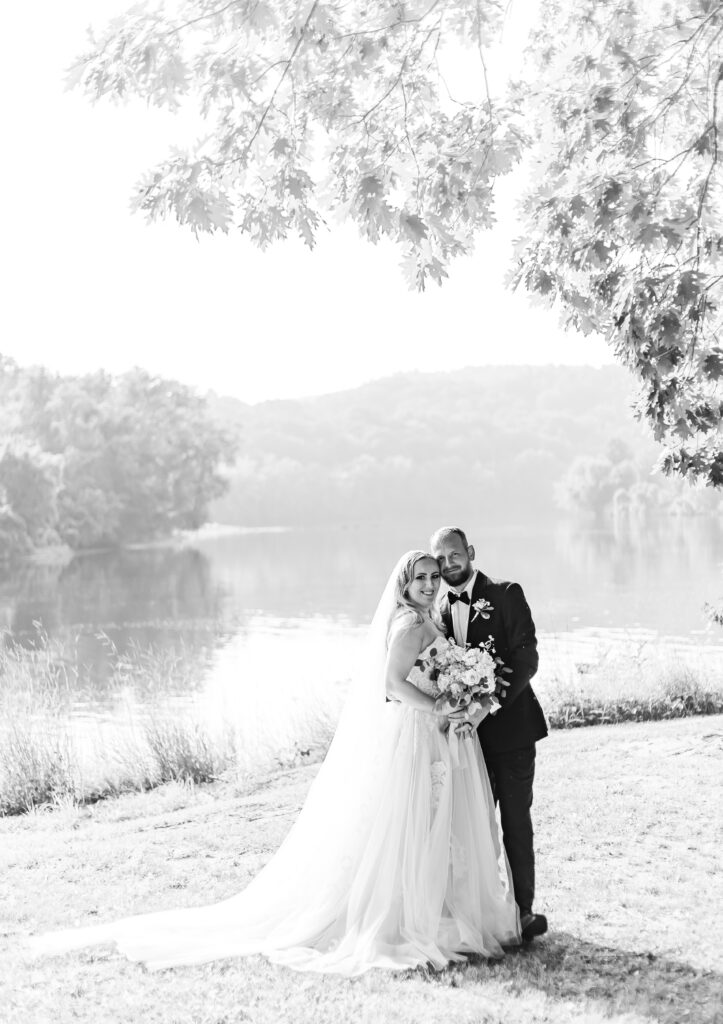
532 925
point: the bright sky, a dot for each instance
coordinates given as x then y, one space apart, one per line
87 284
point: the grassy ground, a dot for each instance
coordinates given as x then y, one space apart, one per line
628 820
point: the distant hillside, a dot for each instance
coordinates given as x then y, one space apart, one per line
497 438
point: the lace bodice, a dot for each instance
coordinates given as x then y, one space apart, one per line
419 675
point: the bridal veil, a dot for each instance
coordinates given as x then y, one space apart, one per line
294 907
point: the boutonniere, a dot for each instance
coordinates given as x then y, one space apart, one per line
482 608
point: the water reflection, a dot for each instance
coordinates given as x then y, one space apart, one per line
656 575
103 608
227 602
122 590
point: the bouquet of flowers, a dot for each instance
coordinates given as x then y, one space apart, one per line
467 678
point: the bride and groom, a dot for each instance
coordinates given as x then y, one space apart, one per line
395 860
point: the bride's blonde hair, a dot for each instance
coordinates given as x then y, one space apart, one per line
404 608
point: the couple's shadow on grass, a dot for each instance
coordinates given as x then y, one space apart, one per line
567 967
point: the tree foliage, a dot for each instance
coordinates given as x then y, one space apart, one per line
102 460
624 223
319 109
593 481
29 479
316 109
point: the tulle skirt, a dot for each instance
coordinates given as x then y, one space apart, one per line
398 866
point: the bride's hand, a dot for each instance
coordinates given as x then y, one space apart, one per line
466 724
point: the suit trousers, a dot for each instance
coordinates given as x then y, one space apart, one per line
512 773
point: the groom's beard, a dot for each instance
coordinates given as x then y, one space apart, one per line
460 579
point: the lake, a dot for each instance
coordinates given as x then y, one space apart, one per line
273 620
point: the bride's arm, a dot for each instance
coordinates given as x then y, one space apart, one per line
404 648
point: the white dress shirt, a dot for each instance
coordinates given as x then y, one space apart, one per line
460 611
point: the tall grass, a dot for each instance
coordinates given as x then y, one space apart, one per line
51 752
33 770
672 702
639 681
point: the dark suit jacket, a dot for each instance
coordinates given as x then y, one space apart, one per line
520 720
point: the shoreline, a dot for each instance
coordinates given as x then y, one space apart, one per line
62 555
183 753
151 732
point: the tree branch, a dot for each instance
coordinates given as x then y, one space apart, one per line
283 75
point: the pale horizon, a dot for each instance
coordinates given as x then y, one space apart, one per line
300 397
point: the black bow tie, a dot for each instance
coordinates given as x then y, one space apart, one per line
463 597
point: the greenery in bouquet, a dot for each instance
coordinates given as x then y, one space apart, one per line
467 678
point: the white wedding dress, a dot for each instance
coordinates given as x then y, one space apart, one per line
394 861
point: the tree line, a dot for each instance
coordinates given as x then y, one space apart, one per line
512 443
100 460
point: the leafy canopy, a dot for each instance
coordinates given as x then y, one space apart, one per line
316 109
340 108
624 223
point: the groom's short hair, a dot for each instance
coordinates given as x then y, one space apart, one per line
440 536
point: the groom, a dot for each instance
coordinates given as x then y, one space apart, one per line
474 609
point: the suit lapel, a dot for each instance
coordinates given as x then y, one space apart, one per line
477 631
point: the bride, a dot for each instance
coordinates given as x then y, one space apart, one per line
395 859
